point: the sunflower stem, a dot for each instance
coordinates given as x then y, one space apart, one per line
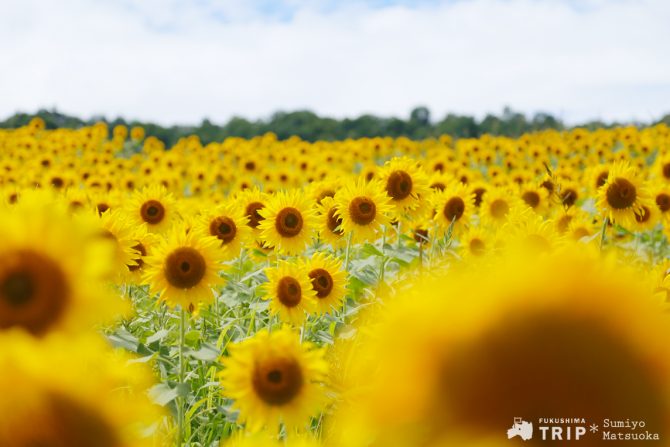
380 280
347 252
604 231
182 373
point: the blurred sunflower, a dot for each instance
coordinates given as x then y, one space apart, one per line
289 288
183 269
289 220
274 378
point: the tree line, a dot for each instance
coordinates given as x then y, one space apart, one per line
311 127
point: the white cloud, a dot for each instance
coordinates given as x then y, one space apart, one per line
178 62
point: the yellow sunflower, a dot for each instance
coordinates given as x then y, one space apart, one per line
330 230
406 185
455 204
116 228
289 288
154 207
329 281
289 220
227 223
363 208
274 378
63 391
183 269
53 269
621 198
475 243
497 205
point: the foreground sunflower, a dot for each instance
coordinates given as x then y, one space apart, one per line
73 392
329 281
274 378
363 208
623 195
511 341
183 269
290 290
154 207
53 269
289 220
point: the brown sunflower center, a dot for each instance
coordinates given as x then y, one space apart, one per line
569 197
252 213
666 170
324 194
139 262
548 185
621 194
421 235
439 186
362 210
663 202
479 195
68 423
399 185
289 291
453 209
531 198
224 228
601 179
288 222
499 208
644 216
477 247
322 282
152 212
185 267
334 222
34 291
278 381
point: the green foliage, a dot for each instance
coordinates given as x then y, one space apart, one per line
311 127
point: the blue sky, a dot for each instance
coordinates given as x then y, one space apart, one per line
176 61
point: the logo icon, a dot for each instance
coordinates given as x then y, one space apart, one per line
522 429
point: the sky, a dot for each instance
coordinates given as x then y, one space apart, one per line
180 61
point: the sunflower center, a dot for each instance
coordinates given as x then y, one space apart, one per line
569 197
334 222
666 170
68 423
453 209
399 185
224 228
479 195
621 194
362 210
548 185
477 247
644 216
602 179
531 198
322 282
34 292
663 202
139 263
152 212
289 291
499 208
278 381
252 213
439 186
289 222
185 267
421 235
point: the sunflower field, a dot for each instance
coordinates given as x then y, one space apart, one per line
370 292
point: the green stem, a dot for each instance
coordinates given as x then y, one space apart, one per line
604 231
347 252
181 408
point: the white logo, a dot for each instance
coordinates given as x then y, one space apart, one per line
522 429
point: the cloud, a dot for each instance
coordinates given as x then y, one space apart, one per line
178 62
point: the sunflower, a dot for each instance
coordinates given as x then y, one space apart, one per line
290 290
497 205
274 378
363 208
154 207
144 243
227 223
662 199
53 269
536 198
466 341
475 243
621 198
406 185
289 220
329 281
330 230
183 269
75 392
114 226
455 205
